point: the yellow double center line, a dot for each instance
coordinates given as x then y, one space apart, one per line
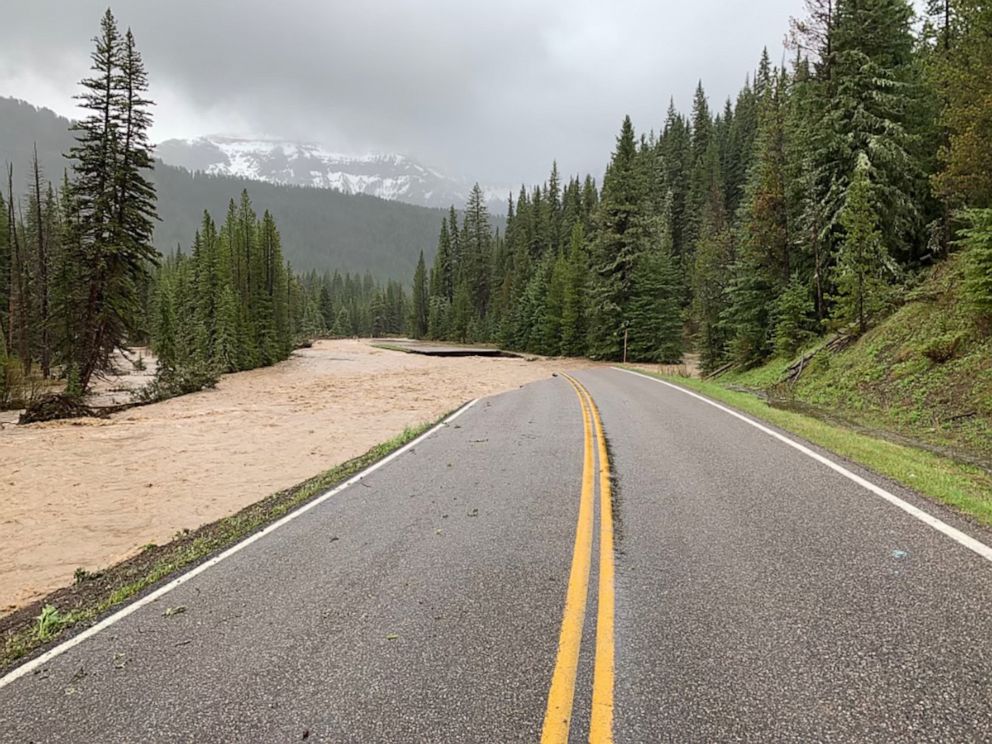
558 715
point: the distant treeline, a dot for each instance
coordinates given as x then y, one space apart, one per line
804 205
233 304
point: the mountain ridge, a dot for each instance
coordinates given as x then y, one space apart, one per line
393 177
322 229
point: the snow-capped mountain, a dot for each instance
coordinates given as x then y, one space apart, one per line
393 177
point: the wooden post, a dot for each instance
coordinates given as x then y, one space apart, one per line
625 331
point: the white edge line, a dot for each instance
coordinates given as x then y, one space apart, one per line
952 532
46 657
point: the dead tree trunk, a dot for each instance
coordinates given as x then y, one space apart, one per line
46 352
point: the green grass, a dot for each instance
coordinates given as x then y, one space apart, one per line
924 373
757 378
50 621
966 488
126 580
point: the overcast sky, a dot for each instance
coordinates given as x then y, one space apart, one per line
489 91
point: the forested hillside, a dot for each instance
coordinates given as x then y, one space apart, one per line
924 372
322 229
807 204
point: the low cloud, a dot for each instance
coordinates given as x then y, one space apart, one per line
490 91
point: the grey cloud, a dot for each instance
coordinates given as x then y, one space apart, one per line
492 91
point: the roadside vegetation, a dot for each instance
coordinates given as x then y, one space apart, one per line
97 593
910 399
924 373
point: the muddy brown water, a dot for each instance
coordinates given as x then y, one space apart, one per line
90 492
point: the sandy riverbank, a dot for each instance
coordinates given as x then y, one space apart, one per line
90 492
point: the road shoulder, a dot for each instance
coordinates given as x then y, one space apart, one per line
963 487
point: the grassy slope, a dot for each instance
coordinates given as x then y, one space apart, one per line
924 373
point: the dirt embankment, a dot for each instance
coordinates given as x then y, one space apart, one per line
89 492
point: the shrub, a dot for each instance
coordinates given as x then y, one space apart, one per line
171 382
49 622
942 348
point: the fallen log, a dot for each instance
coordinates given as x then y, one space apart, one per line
718 371
57 407
838 343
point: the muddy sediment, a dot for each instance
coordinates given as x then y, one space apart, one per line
90 492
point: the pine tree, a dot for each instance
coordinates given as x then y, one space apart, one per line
312 320
186 328
475 252
113 201
208 287
868 104
418 324
134 207
701 144
455 260
655 312
270 300
764 260
792 312
343 327
326 305
621 235
573 311
548 330
862 263
442 274
748 314
714 255
164 328
42 241
977 242
437 318
675 158
67 295
18 312
378 317
6 341
963 77
530 310
226 354
461 313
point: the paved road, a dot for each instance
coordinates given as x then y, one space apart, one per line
759 596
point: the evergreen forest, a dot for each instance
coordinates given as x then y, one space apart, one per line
809 203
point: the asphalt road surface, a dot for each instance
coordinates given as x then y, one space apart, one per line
465 592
